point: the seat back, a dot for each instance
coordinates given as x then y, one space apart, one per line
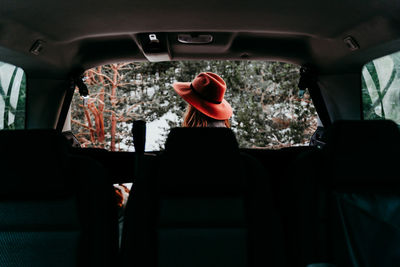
199 208
350 204
362 157
55 209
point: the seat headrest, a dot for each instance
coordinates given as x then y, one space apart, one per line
30 157
201 139
363 152
363 137
201 160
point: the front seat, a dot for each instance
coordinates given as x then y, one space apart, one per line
55 209
352 202
365 186
202 204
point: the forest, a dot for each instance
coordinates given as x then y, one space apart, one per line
269 109
380 88
12 97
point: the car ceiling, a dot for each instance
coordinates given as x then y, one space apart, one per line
76 35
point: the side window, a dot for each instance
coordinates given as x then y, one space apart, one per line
381 88
12 97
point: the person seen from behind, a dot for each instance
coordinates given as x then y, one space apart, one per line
206 104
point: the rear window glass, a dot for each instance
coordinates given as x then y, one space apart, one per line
12 97
268 109
381 88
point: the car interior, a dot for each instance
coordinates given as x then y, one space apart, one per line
333 203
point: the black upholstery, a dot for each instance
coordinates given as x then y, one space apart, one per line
363 151
204 205
55 209
285 189
353 204
366 187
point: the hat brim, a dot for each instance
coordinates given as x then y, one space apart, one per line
220 111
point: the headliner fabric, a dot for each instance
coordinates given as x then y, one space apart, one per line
70 41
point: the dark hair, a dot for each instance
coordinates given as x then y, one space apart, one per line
194 118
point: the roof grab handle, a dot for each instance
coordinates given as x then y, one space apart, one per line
195 38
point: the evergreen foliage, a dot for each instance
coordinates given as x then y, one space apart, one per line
263 95
13 112
380 93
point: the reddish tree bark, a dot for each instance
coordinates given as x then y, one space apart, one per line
95 110
97 122
87 115
113 103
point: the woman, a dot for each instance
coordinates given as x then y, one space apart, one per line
206 104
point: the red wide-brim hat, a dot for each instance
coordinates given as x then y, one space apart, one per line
206 94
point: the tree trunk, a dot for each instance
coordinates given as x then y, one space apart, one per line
113 103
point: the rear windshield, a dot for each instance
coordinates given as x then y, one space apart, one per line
268 109
381 88
12 97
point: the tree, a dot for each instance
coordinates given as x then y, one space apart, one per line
264 96
380 96
12 96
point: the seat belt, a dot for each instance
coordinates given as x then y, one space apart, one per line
318 138
308 80
83 91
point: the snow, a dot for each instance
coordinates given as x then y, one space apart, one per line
156 129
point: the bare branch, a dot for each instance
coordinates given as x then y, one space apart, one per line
82 124
102 75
